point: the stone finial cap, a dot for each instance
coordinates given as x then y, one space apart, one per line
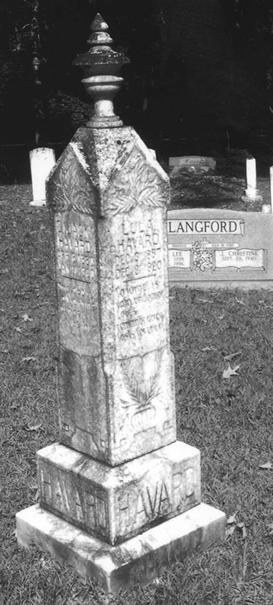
101 59
101 66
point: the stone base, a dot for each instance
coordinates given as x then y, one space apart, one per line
39 203
245 284
116 503
138 560
252 195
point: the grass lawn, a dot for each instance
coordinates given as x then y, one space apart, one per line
229 419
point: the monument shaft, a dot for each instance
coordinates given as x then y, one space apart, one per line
119 496
116 369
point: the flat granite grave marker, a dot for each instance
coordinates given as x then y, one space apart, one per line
119 496
212 247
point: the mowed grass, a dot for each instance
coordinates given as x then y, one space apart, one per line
230 420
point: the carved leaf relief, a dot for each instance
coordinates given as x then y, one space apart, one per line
69 189
141 391
137 184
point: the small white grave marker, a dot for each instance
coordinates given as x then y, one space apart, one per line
251 177
42 161
271 186
251 192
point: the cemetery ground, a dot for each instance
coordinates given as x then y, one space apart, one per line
222 341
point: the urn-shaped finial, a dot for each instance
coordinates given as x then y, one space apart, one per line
101 67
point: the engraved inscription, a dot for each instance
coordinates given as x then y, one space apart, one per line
76 282
209 226
139 279
89 509
78 317
244 258
95 511
156 498
179 258
73 247
133 322
152 501
144 418
138 250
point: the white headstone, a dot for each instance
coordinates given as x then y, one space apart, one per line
271 186
42 161
251 179
251 191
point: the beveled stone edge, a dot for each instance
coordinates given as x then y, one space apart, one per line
72 460
140 558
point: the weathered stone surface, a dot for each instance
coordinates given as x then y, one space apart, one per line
114 503
116 376
138 560
211 247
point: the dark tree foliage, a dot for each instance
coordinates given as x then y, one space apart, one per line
198 69
251 27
